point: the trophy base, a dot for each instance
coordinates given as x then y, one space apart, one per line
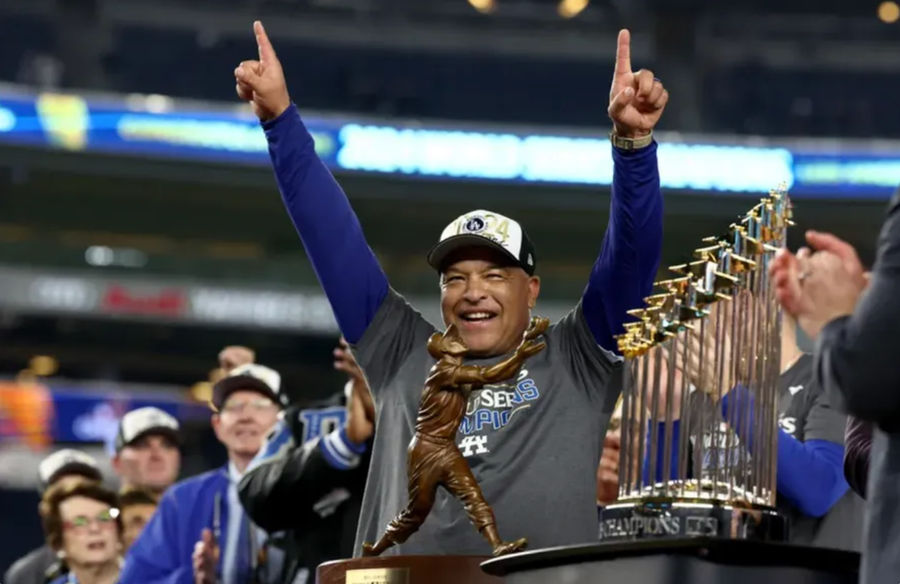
673 518
406 570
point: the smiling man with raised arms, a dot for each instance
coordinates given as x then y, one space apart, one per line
539 448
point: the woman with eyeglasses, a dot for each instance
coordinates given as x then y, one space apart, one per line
81 522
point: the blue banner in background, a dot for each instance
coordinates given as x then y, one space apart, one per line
154 126
75 123
93 416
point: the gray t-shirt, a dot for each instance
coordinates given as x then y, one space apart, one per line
532 443
805 412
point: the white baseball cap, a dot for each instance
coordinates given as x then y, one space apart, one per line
64 462
141 421
251 377
485 229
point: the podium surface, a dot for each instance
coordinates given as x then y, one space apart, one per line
661 561
681 561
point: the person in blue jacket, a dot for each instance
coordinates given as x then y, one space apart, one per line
206 507
533 441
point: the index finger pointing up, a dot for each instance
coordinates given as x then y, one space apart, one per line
266 51
623 53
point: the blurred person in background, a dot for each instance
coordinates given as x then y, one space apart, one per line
81 521
62 467
147 455
136 507
858 446
234 356
857 450
246 405
811 487
854 321
608 469
310 476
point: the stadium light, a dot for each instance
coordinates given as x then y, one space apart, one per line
571 8
43 365
484 6
889 12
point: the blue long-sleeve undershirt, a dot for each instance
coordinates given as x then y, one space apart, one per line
810 474
356 285
345 265
630 254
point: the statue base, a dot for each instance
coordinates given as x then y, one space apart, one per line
679 561
406 570
667 518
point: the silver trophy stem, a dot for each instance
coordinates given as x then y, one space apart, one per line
653 447
684 436
670 397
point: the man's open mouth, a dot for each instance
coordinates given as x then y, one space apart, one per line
477 316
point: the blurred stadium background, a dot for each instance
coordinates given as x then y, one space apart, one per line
141 229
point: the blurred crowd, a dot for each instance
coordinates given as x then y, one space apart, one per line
89 528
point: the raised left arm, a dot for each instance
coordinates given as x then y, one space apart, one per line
629 257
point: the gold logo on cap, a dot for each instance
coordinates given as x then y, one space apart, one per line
488 226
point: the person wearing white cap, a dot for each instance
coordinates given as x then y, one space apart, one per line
206 508
147 455
307 481
533 441
42 564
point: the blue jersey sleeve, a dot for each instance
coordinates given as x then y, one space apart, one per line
630 253
345 265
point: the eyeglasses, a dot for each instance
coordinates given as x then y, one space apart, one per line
256 405
81 523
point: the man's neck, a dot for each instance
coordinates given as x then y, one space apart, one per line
790 352
240 462
106 573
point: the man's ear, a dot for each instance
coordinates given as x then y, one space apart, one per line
216 424
534 289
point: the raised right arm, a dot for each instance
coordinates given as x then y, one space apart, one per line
345 265
332 236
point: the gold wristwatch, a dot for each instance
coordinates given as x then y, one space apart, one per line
630 143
